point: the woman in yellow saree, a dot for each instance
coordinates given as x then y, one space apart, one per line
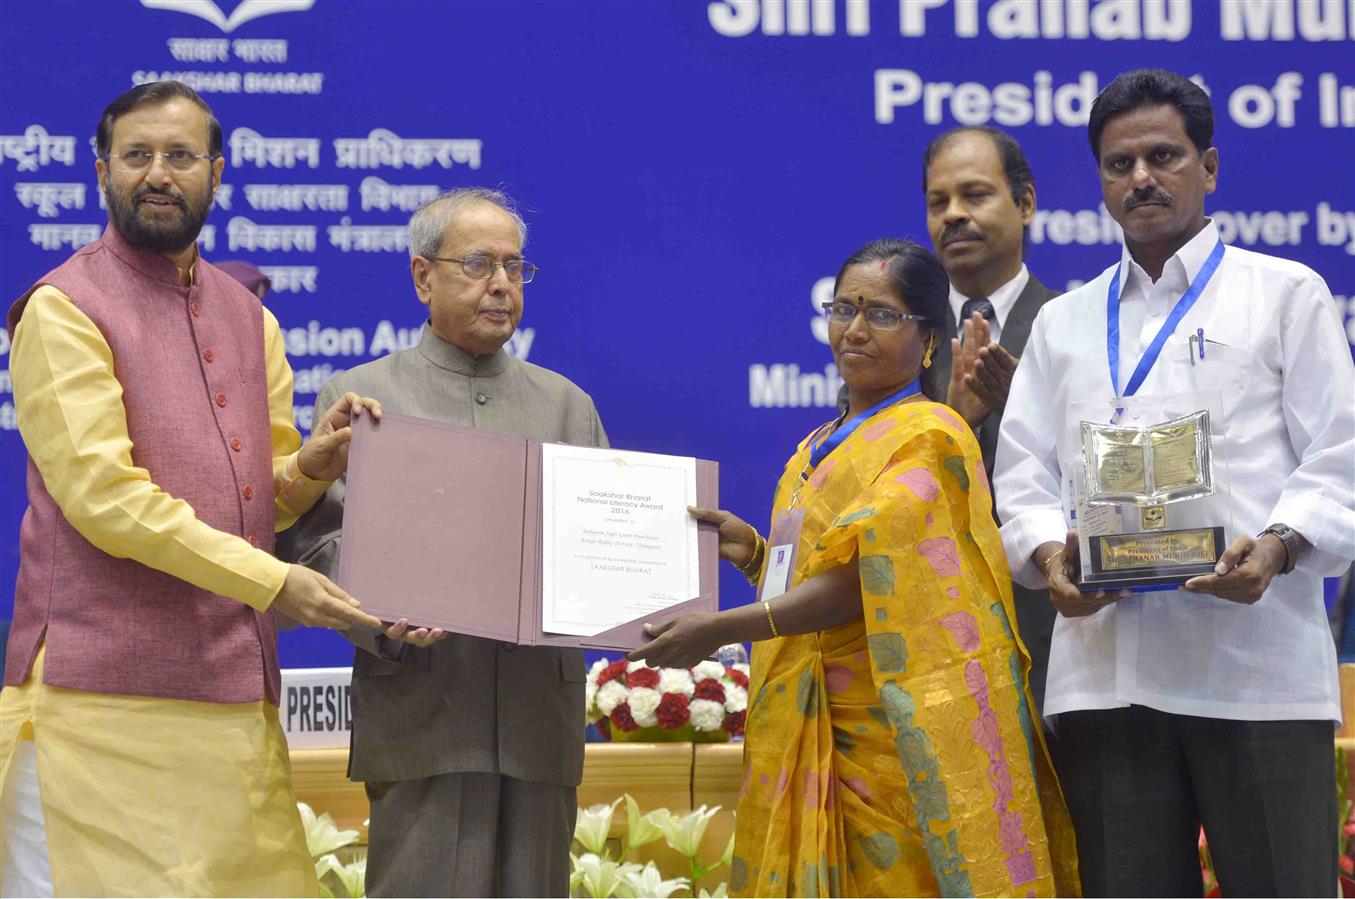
890 749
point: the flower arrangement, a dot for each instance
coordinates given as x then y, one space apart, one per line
632 701
596 873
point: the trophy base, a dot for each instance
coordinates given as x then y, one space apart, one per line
1153 560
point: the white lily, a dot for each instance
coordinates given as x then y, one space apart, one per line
599 877
593 826
641 830
322 834
353 876
685 833
648 883
721 892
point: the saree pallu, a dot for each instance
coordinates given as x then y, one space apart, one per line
896 755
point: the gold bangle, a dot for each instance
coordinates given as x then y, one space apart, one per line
1049 562
768 609
752 570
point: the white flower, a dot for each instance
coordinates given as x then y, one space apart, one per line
676 680
736 698
644 702
636 666
684 833
598 877
649 883
596 668
708 669
609 696
352 876
641 830
590 693
322 834
741 666
721 892
707 715
593 826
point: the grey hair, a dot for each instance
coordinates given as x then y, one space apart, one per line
431 220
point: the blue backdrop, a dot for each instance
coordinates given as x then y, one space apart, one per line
690 171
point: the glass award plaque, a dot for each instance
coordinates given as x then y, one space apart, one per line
1147 486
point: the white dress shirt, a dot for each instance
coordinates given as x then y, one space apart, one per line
1003 299
1278 356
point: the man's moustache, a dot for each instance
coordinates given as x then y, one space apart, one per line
951 234
143 194
1157 196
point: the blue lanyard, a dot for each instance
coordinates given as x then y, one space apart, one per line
1155 348
824 447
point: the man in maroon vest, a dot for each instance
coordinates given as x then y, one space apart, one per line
139 740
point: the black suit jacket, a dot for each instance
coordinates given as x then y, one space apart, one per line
1015 333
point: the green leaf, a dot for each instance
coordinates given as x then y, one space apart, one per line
878 713
1001 612
913 752
807 694
898 705
955 465
809 881
929 796
880 849
888 652
870 535
877 575
850 517
738 874
843 741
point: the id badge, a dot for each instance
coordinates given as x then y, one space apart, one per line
781 552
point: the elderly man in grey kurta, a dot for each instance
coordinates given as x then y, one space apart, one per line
471 749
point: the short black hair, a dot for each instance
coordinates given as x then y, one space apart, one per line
1153 87
920 281
1014 164
150 94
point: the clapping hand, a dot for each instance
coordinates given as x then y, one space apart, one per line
964 356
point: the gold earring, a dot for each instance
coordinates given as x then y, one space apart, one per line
927 359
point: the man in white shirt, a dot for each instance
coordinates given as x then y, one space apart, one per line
980 196
1211 704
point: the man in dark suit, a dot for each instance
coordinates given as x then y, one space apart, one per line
980 196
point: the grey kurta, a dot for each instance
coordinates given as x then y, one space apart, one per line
465 704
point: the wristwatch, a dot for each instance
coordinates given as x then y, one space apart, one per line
1290 538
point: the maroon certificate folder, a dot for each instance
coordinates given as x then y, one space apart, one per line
442 526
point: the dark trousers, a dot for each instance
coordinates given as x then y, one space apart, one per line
1140 783
469 835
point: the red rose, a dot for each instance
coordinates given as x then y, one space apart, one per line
1347 864
621 718
734 723
710 689
737 677
642 677
672 712
604 728
612 671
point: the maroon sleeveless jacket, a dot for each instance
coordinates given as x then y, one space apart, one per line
191 364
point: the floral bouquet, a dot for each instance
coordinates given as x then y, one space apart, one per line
631 702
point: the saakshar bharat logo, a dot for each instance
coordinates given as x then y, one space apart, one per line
247 10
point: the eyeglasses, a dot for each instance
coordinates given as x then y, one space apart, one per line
179 160
481 267
880 318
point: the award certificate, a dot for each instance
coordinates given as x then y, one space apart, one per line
617 542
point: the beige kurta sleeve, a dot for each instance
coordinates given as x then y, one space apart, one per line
71 417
